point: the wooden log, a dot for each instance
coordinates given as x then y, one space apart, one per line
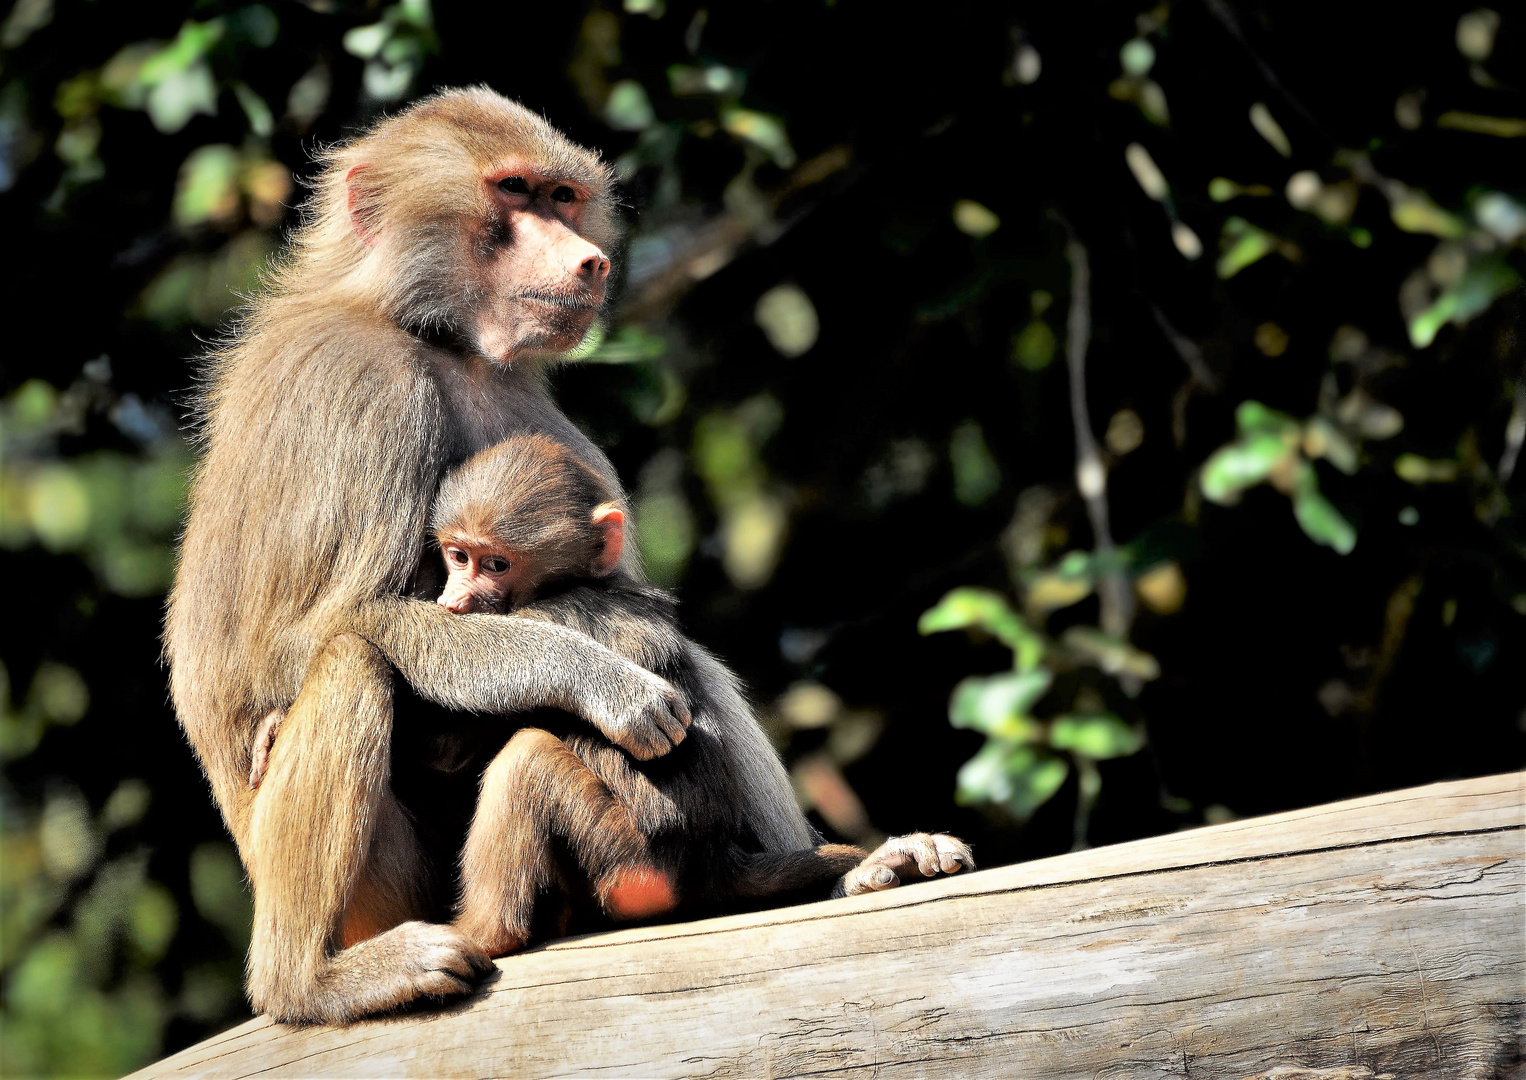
1381 937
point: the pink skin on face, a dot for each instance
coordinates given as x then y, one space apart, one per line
478 579
567 273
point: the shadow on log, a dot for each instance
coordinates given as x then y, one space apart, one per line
1381 937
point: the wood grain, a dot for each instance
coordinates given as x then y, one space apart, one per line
1381 937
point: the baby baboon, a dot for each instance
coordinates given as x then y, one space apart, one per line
526 527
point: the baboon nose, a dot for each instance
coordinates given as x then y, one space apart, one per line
594 269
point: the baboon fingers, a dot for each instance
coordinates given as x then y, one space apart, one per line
901 858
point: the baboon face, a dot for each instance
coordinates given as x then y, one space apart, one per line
545 281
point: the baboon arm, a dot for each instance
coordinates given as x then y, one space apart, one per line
506 664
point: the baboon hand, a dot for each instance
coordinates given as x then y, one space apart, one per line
906 858
643 713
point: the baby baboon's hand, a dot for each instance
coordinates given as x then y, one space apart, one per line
641 712
906 858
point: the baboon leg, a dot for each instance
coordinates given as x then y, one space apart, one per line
333 861
535 791
772 873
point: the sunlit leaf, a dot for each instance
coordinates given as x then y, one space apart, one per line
998 705
752 535
1033 348
628 107
1099 736
763 131
1137 56
261 120
1318 518
1414 212
1017 778
974 219
788 319
151 921
207 188
366 41
977 476
58 504
70 842
1050 591
964 608
181 95
59 693
1244 245
1481 283
1500 215
189 46
1254 418
1151 180
1266 126
1163 588
126 806
1419 470
1500 127
1242 464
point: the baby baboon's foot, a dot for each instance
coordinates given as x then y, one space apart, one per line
906 858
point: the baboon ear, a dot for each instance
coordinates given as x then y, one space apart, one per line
609 521
363 203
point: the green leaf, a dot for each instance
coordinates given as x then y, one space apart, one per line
1033 347
1480 284
1419 470
1099 736
1414 212
1254 418
628 107
1244 244
1240 465
1318 518
189 46
1019 778
207 188
763 131
989 611
1112 655
366 41
997 705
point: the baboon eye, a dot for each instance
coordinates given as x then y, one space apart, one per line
515 185
457 556
493 564
563 194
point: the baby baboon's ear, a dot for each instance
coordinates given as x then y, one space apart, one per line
609 523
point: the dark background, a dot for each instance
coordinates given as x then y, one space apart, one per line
897 185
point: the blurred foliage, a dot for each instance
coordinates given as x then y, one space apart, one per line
1281 563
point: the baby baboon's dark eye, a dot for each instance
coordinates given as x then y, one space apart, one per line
494 564
563 194
514 185
457 556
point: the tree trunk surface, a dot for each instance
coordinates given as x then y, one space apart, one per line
1379 937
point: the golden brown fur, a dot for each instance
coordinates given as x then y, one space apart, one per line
375 358
405 330
566 817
